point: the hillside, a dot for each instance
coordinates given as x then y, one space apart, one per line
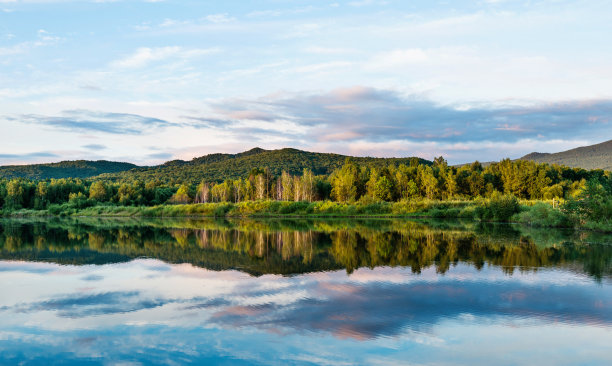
217 167
64 169
597 156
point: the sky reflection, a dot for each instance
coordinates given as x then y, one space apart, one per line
150 312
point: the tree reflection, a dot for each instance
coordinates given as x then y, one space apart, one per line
288 246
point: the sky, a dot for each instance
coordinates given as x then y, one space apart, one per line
150 81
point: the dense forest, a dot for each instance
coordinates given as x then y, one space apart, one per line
367 185
219 167
349 183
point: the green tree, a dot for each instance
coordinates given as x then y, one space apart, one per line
344 186
181 195
429 182
383 189
451 184
97 191
287 186
14 194
476 183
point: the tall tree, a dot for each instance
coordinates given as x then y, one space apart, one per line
97 191
344 182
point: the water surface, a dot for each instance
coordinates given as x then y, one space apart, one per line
91 291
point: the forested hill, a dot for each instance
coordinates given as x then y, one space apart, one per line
597 156
218 167
64 169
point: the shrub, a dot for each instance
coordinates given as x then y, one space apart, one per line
55 209
293 207
498 208
468 212
542 214
222 209
378 208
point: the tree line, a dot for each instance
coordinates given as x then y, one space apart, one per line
350 183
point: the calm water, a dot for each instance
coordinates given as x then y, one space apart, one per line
377 292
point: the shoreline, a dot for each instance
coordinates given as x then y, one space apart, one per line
524 215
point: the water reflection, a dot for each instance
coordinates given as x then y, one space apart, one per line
359 293
286 247
224 311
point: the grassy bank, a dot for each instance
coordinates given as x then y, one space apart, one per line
499 209
264 208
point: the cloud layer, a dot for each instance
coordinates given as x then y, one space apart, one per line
363 113
468 80
357 117
357 120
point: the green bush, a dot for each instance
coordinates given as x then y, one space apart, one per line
222 209
293 207
542 214
498 208
378 208
55 209
468 212
503 206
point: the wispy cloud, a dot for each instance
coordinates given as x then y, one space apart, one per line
378 115
31 155
43 38
90 121
94 147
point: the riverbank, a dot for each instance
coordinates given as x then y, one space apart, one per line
503 209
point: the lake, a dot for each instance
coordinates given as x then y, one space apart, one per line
337 292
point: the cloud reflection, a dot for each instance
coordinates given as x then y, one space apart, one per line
379 309
208 316
80 306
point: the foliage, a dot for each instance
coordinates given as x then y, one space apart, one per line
502 207
594 204
219 167
544 215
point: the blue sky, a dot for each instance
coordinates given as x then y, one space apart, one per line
149 81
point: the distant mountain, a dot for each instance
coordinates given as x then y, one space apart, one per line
218 167
597 156
64 169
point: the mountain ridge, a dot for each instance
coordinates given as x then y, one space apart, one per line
217 167
64 169
212 167
220 166
597 156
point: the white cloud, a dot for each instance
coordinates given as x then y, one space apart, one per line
367 3
328 50
43 38
219 18
322 66
398 58
145 55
